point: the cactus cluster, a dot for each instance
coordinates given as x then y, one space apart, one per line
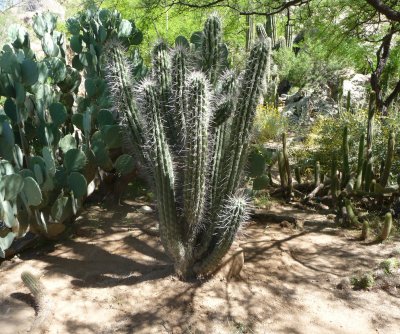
195 119
52 140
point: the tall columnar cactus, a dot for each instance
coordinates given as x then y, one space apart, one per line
270 27
360 162
287 166
334 182
289 35
389 160
345 157
198 186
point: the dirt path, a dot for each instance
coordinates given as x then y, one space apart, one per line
113 277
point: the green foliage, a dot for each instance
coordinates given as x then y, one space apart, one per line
390 265
363 282
269 124
47 163
322 142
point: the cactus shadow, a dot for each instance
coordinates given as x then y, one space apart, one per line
26 298
94 262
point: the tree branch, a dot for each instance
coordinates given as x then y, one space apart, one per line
234 6
396 91
386 10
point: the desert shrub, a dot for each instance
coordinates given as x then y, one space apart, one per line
269 123
323 141
390 265
363 282
311 64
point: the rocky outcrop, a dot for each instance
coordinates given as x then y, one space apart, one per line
328 99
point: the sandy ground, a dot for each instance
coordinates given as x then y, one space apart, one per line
113 277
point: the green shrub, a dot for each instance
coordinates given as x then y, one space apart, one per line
363 282
390 265
322 141
269 124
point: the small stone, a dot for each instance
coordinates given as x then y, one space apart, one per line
285 223
344 284
146 209
331 216
323 206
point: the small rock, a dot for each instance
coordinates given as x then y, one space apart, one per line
146 209
344 284
87 231
299 224
331 216
232 264
285 223
323 206
236 264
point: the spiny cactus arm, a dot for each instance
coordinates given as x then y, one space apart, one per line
226 98
161 61
287 165
43 302
119 80
179 76
232 215
33 284
196 150
345 156
261 33
270 27
361 154
387 227
235 154
211 48
242 123
389 160
350 212
334 181
226 102
162 166
360 162
220 142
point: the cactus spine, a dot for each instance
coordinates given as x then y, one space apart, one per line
198 221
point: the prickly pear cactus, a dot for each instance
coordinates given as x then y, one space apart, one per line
212 114
51 140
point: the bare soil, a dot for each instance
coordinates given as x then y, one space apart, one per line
112 276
